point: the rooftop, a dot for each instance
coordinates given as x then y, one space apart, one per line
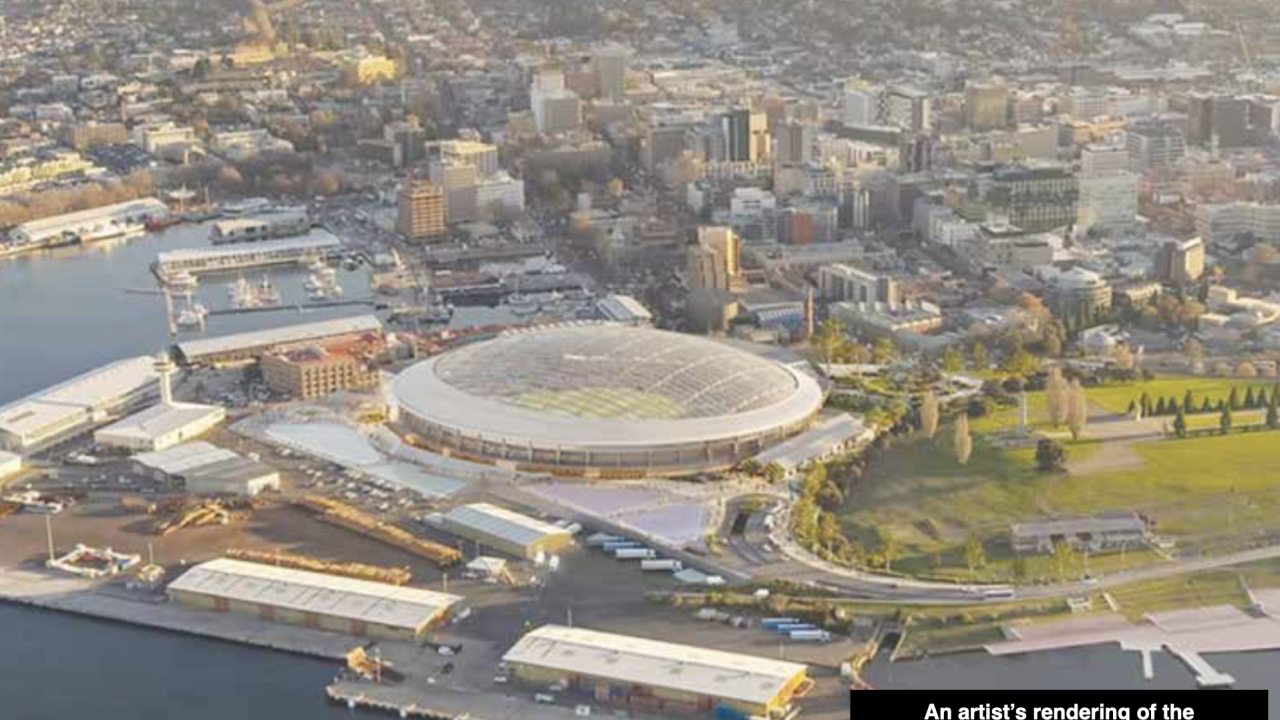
160 420
650 662
302 591
303 332
503 523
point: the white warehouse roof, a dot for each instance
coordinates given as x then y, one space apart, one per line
161 420
640 661
278 336
302 591
184 458
502 523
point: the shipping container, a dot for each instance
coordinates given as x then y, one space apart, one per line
639 553
664 564
810 635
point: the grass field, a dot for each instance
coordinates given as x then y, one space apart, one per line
1209 492
1116 398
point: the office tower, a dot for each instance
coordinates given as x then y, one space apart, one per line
745 135
860 105
420 210
609 67
793 143
714 262
1155 145
986 106
1035 199
1180 262
907 108
555 108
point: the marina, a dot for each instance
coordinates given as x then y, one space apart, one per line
304 250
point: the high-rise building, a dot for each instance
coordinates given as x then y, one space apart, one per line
860 105
714 261
841 282
1155 145
986 106
793 143
915 153
457 180
1098 160
746 135
609 67
1180 263
556 109
1035 198
1108 201
907 108
420 210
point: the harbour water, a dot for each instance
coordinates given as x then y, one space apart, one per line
66 311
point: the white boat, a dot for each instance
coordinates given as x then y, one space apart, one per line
267 294
192 317
242 294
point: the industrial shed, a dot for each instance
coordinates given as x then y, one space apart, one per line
655 677
205 469
316 600
506 530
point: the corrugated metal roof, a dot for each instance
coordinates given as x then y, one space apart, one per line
502 523
160 420
184 458
277 336
641 661
302 591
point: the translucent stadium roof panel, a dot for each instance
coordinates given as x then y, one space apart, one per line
609 372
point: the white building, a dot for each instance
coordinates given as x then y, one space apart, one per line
160 427
501 193
555 108
1216 223
208 470
71 407
1107 202
96 224
245 144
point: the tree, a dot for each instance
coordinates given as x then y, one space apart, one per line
1020 363
1188 402
1273 411
975 556
1233 400
1019 567
1050 455
774 473
963 442
952 360
1250 402
1225 421
1206 405
981 360
1161 408
1145 403
1180 423
1063 555
929 415
1056 395
1077 410
883 351
830 334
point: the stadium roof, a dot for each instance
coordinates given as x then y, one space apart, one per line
641 661
502 523
606 385
302 591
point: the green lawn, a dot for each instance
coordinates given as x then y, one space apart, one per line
1116 398
1211 492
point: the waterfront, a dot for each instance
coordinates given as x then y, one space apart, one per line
70 312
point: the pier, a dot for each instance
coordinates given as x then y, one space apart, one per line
1206 675
296 307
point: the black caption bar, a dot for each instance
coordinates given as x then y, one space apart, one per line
1068 705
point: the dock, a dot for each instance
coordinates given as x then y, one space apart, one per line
295 307
104 601
1206 675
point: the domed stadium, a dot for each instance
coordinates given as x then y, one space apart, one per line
605 400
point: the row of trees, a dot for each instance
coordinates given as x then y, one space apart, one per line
1250 400
19 209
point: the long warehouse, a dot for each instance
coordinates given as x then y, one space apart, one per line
653 676
316 600
506 530
246 346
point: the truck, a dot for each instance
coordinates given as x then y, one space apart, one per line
772 623
794 627
599 539
814 635
639 553
662 564
620 544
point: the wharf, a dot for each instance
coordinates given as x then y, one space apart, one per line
100 600
296 307
409 700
